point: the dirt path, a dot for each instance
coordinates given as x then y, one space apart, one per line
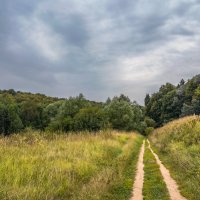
170 182
139 179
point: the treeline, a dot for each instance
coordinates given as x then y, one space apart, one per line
172 102
19 110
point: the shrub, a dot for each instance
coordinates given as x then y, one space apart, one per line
149 130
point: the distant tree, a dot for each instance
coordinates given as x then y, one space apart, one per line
122 97
148 131
91 119
71 106
120 114
196 100
68 112
15 124
124 115
149 122
11 91
182 82
31 114
163 105
169 107
154 108
147 99
51 111
4 120
61 124
187 110
196 106
108 100
9 116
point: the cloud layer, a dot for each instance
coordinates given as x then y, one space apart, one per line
100 48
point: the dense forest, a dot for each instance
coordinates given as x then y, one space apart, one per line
172 102
21 110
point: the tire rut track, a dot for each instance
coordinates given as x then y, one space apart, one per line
139 179
170 182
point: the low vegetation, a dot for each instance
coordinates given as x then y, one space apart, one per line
178 144
35 165
154 186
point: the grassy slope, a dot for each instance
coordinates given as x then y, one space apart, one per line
35 166
178 145
154 187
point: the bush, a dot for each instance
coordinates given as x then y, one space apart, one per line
91 119
149 130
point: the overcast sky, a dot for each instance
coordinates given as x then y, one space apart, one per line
100 48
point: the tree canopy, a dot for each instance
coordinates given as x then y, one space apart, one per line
172 102
20 110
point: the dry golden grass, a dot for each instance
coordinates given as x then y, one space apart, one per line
41 166
178 144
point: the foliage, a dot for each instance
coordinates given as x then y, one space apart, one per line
148 131
149 122
20 110
9 116
125 115
172 102
91 118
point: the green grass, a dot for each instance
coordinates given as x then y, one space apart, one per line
75 167
121 186
154 186
178 146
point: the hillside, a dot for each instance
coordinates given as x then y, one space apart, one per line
178 144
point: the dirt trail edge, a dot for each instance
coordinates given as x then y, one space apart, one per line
139 179
170 182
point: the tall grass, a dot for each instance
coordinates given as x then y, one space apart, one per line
41 166
178 144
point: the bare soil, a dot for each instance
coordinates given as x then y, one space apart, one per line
139 179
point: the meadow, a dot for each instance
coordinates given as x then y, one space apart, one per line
178 145
42 165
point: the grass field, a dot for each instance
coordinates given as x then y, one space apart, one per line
84 166
178 145
154 186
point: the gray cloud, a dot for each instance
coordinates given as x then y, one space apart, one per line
99 48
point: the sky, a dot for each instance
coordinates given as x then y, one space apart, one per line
98 48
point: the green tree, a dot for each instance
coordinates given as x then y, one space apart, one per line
149 122
147 99
91 119
124 115
32 114
9 116
187 110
